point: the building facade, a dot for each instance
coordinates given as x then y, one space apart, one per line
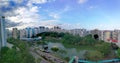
2 32
36 31
29 32
15 33
107 36
23 33
79 32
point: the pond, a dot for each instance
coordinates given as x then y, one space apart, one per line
66 52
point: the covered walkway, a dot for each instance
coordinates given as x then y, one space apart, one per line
74 60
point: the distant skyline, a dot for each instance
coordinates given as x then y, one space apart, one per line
88 14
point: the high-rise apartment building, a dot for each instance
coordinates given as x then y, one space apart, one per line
2 32
29 32
41 29
107 36
15 33
80 32
36 31
22 33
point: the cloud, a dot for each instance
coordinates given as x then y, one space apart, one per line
30 2
7 8
70 26
91 7
10 5
49 23
25 15
57 14
107 27
21 13
82 1
11 24
38 1
54 15
3 3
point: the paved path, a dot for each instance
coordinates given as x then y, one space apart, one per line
50 57
38 56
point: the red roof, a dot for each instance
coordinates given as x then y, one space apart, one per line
112 40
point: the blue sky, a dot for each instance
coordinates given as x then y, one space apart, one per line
89 14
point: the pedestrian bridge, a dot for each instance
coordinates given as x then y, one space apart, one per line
76 60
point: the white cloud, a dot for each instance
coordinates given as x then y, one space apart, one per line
49 23
18 1
92 7
54 15
57 14
4 3
82 1
27 15
39 1
67 8
107 27
70 26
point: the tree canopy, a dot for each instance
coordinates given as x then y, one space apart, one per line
13 55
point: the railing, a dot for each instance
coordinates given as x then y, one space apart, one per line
111 60
84 61
73 60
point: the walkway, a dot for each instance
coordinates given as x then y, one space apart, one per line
38 56
49 57
74 60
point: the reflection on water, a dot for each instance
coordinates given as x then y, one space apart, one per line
59 45
70 52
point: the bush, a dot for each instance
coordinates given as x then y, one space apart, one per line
118 53
104 48
67 58
55 49
94 55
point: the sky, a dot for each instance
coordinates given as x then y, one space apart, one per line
68 14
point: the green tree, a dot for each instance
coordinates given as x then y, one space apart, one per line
118 52
67 58
104 48
14 55
94 55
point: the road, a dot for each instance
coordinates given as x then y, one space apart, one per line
38 56
49 57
